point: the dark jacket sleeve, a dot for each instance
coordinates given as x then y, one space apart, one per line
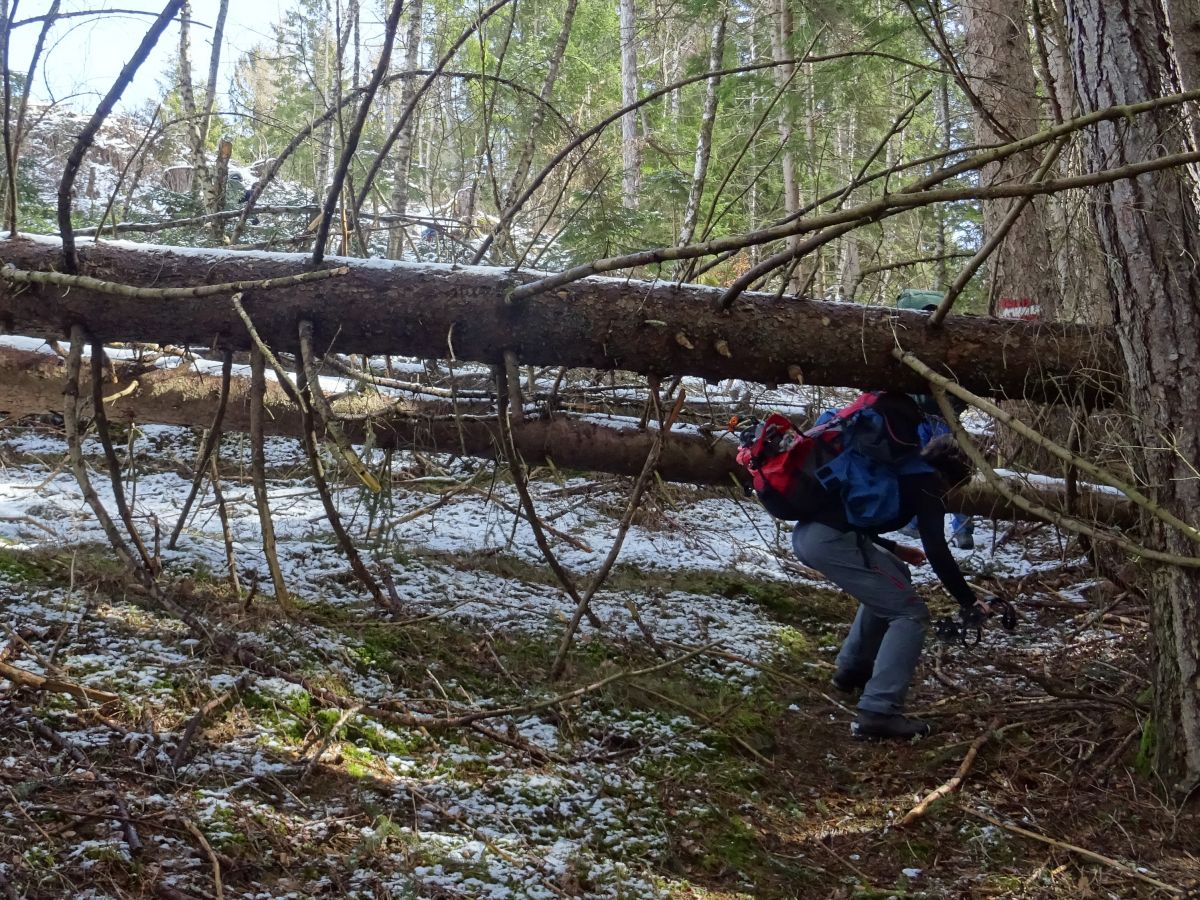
931 523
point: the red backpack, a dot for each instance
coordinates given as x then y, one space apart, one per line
850 457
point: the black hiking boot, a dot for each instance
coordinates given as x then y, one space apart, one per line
871 726
848 684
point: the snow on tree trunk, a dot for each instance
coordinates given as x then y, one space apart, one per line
1149 230
656 328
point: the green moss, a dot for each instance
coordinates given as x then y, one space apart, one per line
383 740
18 566
39 857
1143 763
796 644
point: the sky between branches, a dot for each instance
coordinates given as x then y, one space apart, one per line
84 55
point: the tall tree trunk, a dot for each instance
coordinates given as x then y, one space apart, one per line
999 68
214 68
598 323
195 126
631 180
943 279
1149 230
516 180
704 137
781 48
403 153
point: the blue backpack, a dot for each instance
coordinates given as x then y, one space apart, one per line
852 456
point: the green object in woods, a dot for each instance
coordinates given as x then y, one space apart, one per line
912 298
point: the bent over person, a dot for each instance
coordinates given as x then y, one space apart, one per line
880 655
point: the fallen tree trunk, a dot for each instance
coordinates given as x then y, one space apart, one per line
460 312
31 383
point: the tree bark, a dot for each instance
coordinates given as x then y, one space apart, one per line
630 150
1000 67
781 49
1149 230
402 156
1001 72
31 384
195 129
708 118
428 311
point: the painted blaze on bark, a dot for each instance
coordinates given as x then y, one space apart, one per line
1149 229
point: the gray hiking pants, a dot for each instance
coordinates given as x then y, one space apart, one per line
885 640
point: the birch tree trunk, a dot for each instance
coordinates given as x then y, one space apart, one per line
403 152
781 48
195 127
1149 229
704 137
630 150
214 67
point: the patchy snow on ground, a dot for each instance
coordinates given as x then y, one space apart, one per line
433 557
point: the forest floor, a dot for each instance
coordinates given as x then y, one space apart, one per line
700 755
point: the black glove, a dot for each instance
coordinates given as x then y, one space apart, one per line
974 617
986 606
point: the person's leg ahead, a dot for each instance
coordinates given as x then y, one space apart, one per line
856 660
890 627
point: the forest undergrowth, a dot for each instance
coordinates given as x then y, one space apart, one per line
694 751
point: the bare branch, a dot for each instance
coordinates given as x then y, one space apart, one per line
84 141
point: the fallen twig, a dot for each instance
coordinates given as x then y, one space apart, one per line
258 472
706 720
1056 689
327 739
214 705
214 476
51 736
304 387
211 440
550 529
956 781
55 685
100 420
520 479
635 499
1082 851
323 409
195 832
87 283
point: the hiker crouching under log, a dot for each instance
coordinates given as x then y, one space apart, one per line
861 472
881 652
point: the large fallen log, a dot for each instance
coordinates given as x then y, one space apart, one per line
32 383
461 312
